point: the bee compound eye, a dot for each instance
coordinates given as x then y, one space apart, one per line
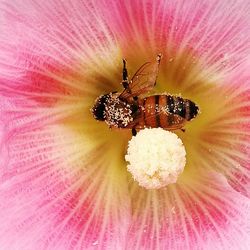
194 109
98 112
98 109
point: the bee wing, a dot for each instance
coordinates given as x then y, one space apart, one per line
143 80
173 121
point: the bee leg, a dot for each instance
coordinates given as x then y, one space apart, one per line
134 132
183 130
125 81
158 58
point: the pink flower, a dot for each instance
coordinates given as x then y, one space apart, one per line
64 183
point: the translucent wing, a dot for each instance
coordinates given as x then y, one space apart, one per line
156 118
162 118
170 121
143 80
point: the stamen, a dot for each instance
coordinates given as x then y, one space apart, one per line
156 158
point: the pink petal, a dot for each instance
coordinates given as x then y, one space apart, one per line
217 32
54 54
202 214
227 136
54 197
48 49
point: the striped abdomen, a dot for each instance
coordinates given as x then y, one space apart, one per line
166 111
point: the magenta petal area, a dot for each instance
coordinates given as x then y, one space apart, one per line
63 180
225 138
54 197
205 213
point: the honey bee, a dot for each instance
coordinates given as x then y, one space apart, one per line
128 111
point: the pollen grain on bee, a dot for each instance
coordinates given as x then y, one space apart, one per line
118 113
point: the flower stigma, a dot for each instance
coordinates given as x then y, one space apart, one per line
156 158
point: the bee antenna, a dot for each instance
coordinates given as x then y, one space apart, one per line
124 61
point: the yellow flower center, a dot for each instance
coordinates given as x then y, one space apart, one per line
179 74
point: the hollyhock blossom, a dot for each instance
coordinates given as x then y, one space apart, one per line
64 180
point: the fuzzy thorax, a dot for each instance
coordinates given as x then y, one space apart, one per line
117 113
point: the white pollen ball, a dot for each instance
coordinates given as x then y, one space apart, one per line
156 158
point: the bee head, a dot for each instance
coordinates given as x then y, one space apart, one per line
98 109
194 110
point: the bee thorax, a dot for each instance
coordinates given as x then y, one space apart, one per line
118 113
